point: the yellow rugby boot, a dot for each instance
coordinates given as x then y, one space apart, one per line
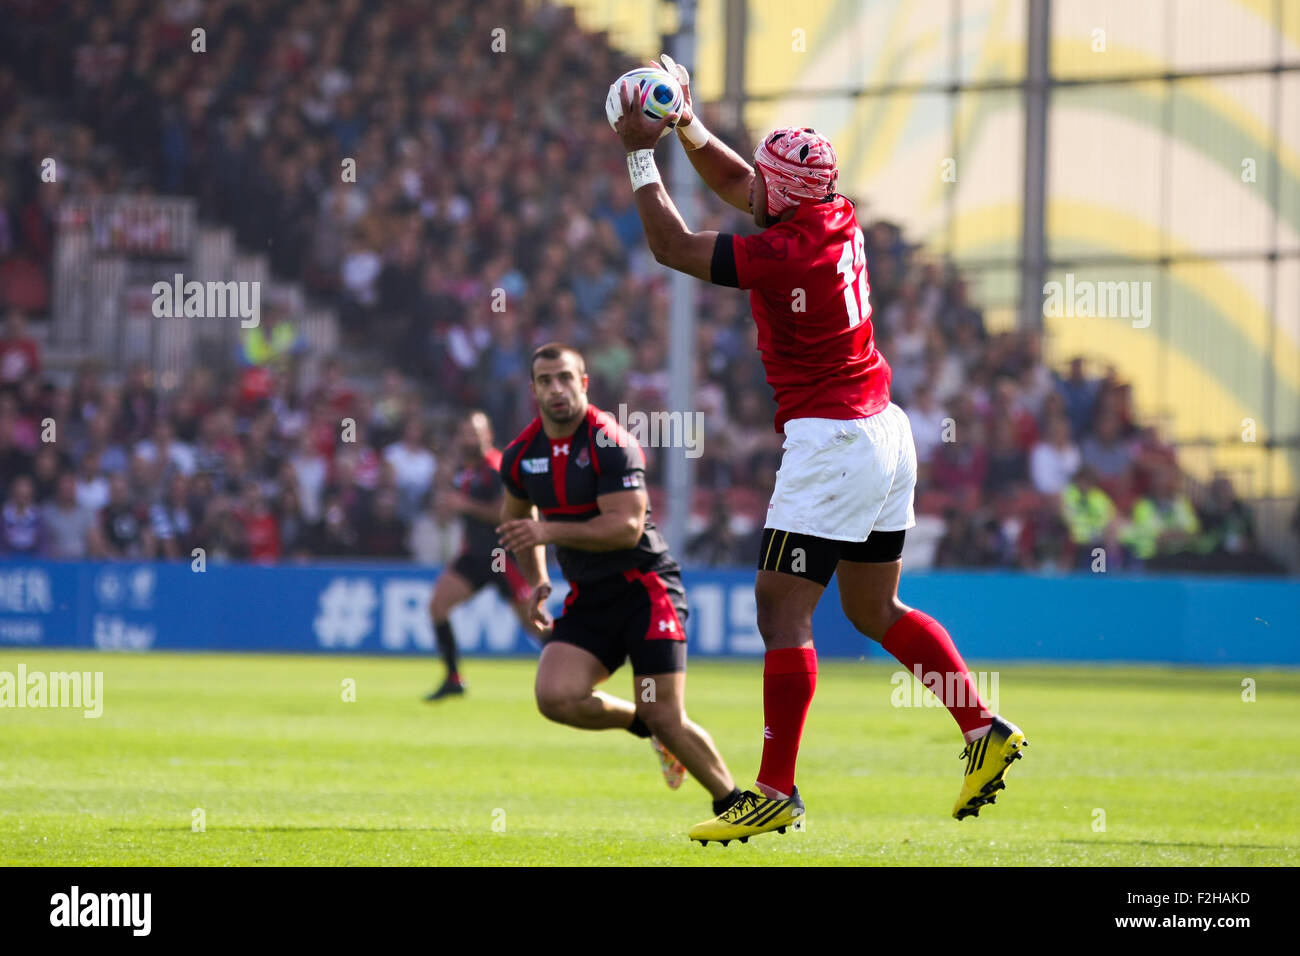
987 761
749 816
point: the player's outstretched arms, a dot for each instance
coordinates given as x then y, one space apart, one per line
670 241
719 166
722 171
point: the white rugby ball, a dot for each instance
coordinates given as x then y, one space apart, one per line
657 93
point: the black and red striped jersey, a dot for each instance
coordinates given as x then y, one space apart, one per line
563 477
481 482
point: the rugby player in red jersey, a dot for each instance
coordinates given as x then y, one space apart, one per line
587 477
476 495
843 496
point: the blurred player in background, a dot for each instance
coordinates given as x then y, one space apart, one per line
625 601
476 494
843 497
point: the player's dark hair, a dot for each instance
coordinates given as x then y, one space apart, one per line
554 350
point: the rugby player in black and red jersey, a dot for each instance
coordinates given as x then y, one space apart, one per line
843 496
475 494
586 476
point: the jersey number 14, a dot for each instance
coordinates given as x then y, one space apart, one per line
853 265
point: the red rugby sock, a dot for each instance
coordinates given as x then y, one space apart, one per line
789 680
921 644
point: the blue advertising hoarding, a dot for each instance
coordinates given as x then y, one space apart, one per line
383 609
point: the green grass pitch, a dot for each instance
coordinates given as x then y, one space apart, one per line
286 772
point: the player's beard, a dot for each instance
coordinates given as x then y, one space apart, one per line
575 411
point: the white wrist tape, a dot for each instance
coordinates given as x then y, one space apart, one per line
694 133
641 167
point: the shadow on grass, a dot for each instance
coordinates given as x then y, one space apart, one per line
283 829
1201 846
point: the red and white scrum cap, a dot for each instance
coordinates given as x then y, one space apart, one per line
797 164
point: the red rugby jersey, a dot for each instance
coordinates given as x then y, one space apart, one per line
811 301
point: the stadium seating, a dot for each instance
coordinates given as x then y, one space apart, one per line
453 198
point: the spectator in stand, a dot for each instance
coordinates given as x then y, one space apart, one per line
960 315
1228 538
437 533
47 468
970 540
92 485
21 531
466 346
14 461
620 212
383 533
503 361
907 348
173 520
175 456
9 236
414 467
359 274
272 343
21 428
139 404
943 373
1119 399
610 358
592 283
333 536
261 530
1106 452
311 470
144 478
122 531
1163 524
389 409
960 466
20 355
1054 460
1080 394
1008 465
1091 518
1048 539
293 524
648 382
222 532
68 526
1151 454
1007 404
716 545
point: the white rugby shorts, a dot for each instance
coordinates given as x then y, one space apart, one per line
844 479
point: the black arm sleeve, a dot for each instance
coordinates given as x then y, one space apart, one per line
723 269
508 459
